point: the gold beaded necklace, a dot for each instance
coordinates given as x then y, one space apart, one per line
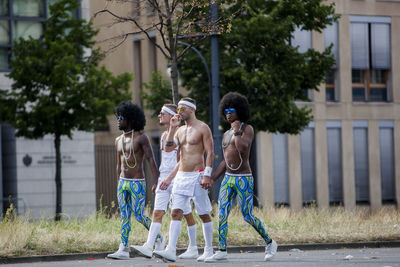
131 152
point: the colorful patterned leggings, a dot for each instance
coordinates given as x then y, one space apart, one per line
132 198
243 187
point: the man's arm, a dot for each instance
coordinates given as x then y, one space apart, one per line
219 171
208 144
167 181
243 141
148 153
171 140
118 168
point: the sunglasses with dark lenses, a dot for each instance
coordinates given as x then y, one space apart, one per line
231 110
119 117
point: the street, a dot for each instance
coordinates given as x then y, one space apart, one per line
383 257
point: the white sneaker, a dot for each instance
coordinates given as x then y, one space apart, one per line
270 250
160 243
121 254
218 256
208 252
167 254
190 253
144 250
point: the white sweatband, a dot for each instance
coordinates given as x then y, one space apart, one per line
187 103
169 111
207 171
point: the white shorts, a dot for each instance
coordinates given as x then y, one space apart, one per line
163 198
201 201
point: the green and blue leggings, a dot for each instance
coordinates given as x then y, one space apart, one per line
241 186
132 198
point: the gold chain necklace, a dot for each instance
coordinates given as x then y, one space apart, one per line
132 151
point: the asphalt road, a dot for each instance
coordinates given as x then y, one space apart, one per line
383 257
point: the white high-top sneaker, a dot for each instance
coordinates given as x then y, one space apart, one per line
167 254
208 252
121 254
145 250
270 250
191 253
218 256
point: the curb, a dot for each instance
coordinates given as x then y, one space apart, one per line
236 249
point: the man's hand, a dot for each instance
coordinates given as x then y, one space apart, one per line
175 120
206 182
165 184
154 187
235 125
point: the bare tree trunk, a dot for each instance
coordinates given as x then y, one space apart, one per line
174 77
57 145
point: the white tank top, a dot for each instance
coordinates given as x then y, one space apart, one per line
168 160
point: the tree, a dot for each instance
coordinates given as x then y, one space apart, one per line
58 86
257 60
171 20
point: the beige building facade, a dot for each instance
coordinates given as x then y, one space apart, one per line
350 153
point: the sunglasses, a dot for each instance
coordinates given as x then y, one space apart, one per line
231 110
180 109
119 117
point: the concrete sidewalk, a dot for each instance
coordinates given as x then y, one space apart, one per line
238 249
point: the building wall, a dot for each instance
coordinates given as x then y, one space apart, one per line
374 122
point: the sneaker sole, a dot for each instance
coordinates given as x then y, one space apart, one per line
115 258
162 258
137 252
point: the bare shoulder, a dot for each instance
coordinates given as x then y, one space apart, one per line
143 138
117 139
249 129
203 126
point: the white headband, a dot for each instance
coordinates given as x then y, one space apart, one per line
168 110
187 103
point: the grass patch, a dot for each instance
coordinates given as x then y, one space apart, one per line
22 236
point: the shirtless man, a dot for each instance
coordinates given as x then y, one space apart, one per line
238 179
132 147
191 178
162 199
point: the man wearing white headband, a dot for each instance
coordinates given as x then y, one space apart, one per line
191 175
162 198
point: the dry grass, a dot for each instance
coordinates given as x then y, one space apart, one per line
19 235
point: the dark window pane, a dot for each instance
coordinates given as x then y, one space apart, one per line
357 76
358 94
378 76
3 7
25 29
330 94
4 32
4 56
378 94
28 8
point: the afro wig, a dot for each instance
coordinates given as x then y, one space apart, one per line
237 101
133 113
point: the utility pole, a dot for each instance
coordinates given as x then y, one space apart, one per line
215 94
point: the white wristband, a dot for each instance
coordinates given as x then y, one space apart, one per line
207 171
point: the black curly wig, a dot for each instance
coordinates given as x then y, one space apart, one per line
237 101
133 113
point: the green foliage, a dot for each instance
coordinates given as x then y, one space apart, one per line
157 94
257 61
58 85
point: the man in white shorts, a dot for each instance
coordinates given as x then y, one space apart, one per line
192 176
162 198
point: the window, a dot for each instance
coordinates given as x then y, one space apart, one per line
331 38
303 41
21 18
334 147
370 58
